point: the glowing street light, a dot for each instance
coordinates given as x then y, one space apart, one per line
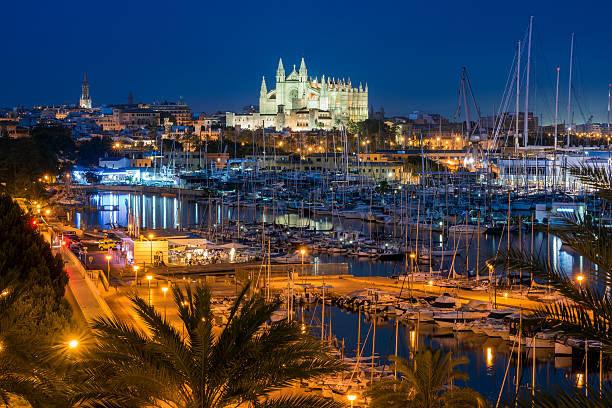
108 258
73 344
149 277
302 252
164 290
136 267
151 240
351 397
580 278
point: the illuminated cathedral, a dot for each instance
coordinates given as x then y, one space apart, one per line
300 102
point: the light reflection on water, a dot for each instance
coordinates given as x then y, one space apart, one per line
166 212
488 357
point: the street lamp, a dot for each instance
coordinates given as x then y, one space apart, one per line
151 240
164 290
73 344
351 397
136 267
108 258
302 252
149 277
580 278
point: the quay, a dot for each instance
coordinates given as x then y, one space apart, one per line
342 285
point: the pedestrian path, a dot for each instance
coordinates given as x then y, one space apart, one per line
85 292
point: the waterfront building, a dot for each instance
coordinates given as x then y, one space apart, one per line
135 117
85 100
542 168
300 102
177 113
329 162
194 160
202 128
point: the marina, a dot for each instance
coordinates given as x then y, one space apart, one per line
425 254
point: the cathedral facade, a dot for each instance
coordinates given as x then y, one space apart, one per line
300 102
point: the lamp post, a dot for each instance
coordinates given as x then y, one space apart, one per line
164 290
149 277
412 256
351 397
302 252
108 258
136 267
580 278
151 240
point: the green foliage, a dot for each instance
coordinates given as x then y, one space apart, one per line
566 396
424 383
89 151
243 364
24 254
24 160
55 139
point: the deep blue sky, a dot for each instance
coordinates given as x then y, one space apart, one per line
214 53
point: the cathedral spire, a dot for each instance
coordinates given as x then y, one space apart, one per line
85 100
264 89
303 70
280 68
280 71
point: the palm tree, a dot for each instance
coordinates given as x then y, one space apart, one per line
28 371
425 384
240 366
585 312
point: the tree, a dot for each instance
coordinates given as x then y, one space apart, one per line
425 384
89 151
585 311
25 254
241 366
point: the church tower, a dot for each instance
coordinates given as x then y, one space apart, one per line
85 101
303 74
280 85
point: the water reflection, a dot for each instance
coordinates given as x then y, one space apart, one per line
149 211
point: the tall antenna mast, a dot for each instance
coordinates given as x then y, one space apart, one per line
569 93
525 119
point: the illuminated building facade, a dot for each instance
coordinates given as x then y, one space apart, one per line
300 102
85 100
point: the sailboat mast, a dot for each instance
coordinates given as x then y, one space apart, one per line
556 123
609 87
518 92
556 107
569 93
525 121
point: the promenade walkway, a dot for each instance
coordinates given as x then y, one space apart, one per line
85 292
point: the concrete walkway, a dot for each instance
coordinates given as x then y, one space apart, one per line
85 292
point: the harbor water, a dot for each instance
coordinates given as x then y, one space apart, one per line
488 357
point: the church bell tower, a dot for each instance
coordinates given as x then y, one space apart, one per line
85 101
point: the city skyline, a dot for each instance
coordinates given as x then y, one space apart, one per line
217 63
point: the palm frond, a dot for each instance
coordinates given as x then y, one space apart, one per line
565 396
300 401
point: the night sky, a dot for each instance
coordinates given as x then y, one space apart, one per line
213 54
